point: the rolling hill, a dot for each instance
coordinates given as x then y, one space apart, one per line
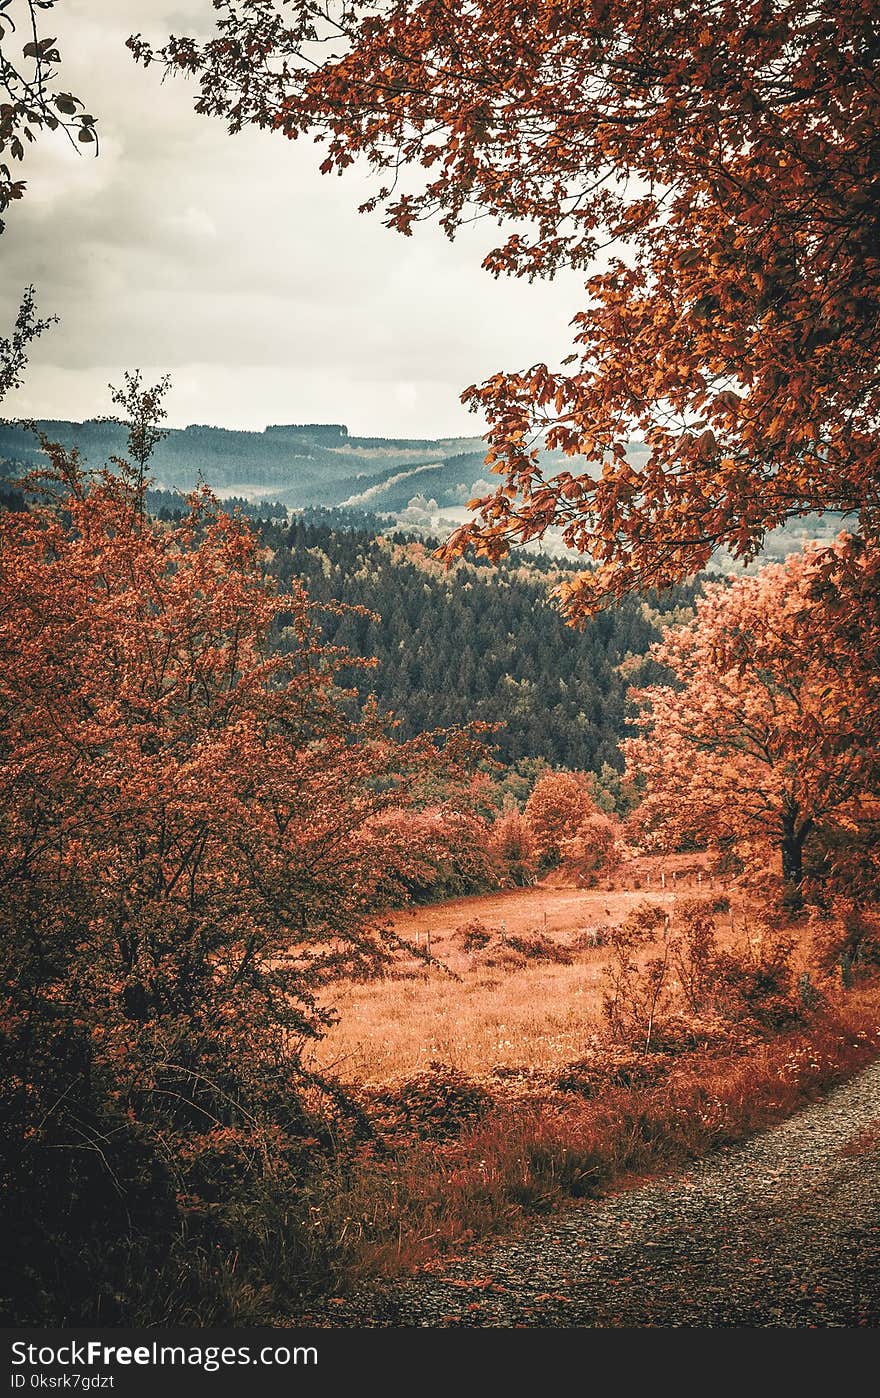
422 482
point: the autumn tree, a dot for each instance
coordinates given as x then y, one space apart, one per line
595 846
437 851
712 167
191 851
512 847
766 738
559 804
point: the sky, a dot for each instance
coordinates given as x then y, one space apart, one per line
233 265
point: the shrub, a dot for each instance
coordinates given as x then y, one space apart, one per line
473 936
534 946
757 983
637 990
190 834
512 850
695 953
851 932
438 852
436 1105
595 847
663 1000
588 938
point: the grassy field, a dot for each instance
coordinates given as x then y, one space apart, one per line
505 1010
498 1092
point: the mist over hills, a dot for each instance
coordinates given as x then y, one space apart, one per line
300 466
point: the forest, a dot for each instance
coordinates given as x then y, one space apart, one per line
368 894
308 465
477 643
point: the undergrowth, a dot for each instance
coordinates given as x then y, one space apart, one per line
537 1150
701 1046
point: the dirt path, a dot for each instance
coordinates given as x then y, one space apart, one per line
782 1231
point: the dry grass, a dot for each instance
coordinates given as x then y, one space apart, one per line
530 1156
519 1013
485 1114
392 1029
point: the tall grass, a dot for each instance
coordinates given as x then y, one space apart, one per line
389 1216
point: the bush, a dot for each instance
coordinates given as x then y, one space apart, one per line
435 1105
512 849
850 933
534 946
588 938
473 936
191 849
695 953
595 847
669 1000
758 984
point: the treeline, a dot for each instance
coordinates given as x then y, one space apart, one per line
317 464
169 505
476 643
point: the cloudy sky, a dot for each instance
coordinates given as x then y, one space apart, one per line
233 265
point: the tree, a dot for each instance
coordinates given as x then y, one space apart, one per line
839 630
32 103
191 851
180 796
512 847
432 853
14 347
595 846
559 804
766 737
142 412
725 157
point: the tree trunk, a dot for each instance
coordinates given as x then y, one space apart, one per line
792 843
792 859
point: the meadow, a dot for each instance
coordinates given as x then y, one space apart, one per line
502 1007
500 1088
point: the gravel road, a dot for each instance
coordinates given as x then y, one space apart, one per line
781 1231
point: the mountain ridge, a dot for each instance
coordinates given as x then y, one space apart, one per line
311 464
423 482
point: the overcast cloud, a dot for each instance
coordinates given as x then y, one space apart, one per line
233 265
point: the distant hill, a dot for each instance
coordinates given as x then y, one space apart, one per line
315 464
320 465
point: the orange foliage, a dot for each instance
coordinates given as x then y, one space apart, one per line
190 844
768 738
726 154
558 805
596 845
512 848
182 794
435 852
